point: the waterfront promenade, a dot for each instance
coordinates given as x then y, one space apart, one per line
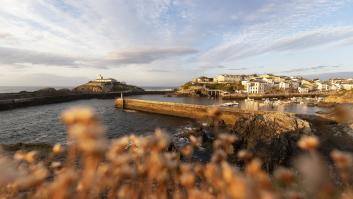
274 95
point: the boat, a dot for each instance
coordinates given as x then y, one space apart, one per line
229 104
277 103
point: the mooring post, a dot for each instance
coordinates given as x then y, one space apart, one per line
122 100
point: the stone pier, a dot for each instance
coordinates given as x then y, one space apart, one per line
199 112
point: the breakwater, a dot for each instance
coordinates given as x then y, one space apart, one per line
17 100
199 112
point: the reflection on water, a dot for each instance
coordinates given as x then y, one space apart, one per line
246 105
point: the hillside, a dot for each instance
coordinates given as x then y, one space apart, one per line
340 97
97 87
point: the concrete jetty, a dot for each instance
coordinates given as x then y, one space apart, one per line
199 112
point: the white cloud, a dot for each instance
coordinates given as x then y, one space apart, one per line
163 35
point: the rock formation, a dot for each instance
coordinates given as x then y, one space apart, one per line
102 87
271 136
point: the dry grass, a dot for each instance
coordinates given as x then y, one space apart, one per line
142 167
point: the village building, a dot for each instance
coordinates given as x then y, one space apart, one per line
336 87
294 84
322 86
226 78
347 86
303 89
203 79
256 87
284 85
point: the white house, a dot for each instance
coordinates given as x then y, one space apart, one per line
203 79
244 82
322 86
302 89
335 87
347 86
100 79
294 84
256 87
284 85
225 78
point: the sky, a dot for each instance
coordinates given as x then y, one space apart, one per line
168 42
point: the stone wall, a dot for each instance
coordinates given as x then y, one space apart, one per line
25 99
229 116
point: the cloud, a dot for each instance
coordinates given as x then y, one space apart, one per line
164 35
305 69
145 56
242 48
208 67
23 58
4 35
43 79
280 26
159 71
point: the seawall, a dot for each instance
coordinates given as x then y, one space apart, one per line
199 112
17 100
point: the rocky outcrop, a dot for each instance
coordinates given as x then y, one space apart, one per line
271 136
340 97
95 87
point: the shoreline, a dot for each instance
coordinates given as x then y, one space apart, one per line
10 101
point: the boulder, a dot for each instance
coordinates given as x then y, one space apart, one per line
271 136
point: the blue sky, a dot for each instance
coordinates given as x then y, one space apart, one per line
167 42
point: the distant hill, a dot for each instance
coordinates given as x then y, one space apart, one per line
327 76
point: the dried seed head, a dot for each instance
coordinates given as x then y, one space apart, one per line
227 138
195 141
244 155
31 157
187 150
284 175
214 112
342 159
227 172
57 149
219 156
84 115
309 143
254 167
56 165
20 155
187 179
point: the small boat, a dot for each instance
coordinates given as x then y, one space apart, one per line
277 103
229 104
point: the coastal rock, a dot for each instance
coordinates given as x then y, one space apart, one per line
94 87
271 136
343 96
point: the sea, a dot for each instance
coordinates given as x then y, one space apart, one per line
42 124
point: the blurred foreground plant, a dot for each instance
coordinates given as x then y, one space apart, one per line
142 167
